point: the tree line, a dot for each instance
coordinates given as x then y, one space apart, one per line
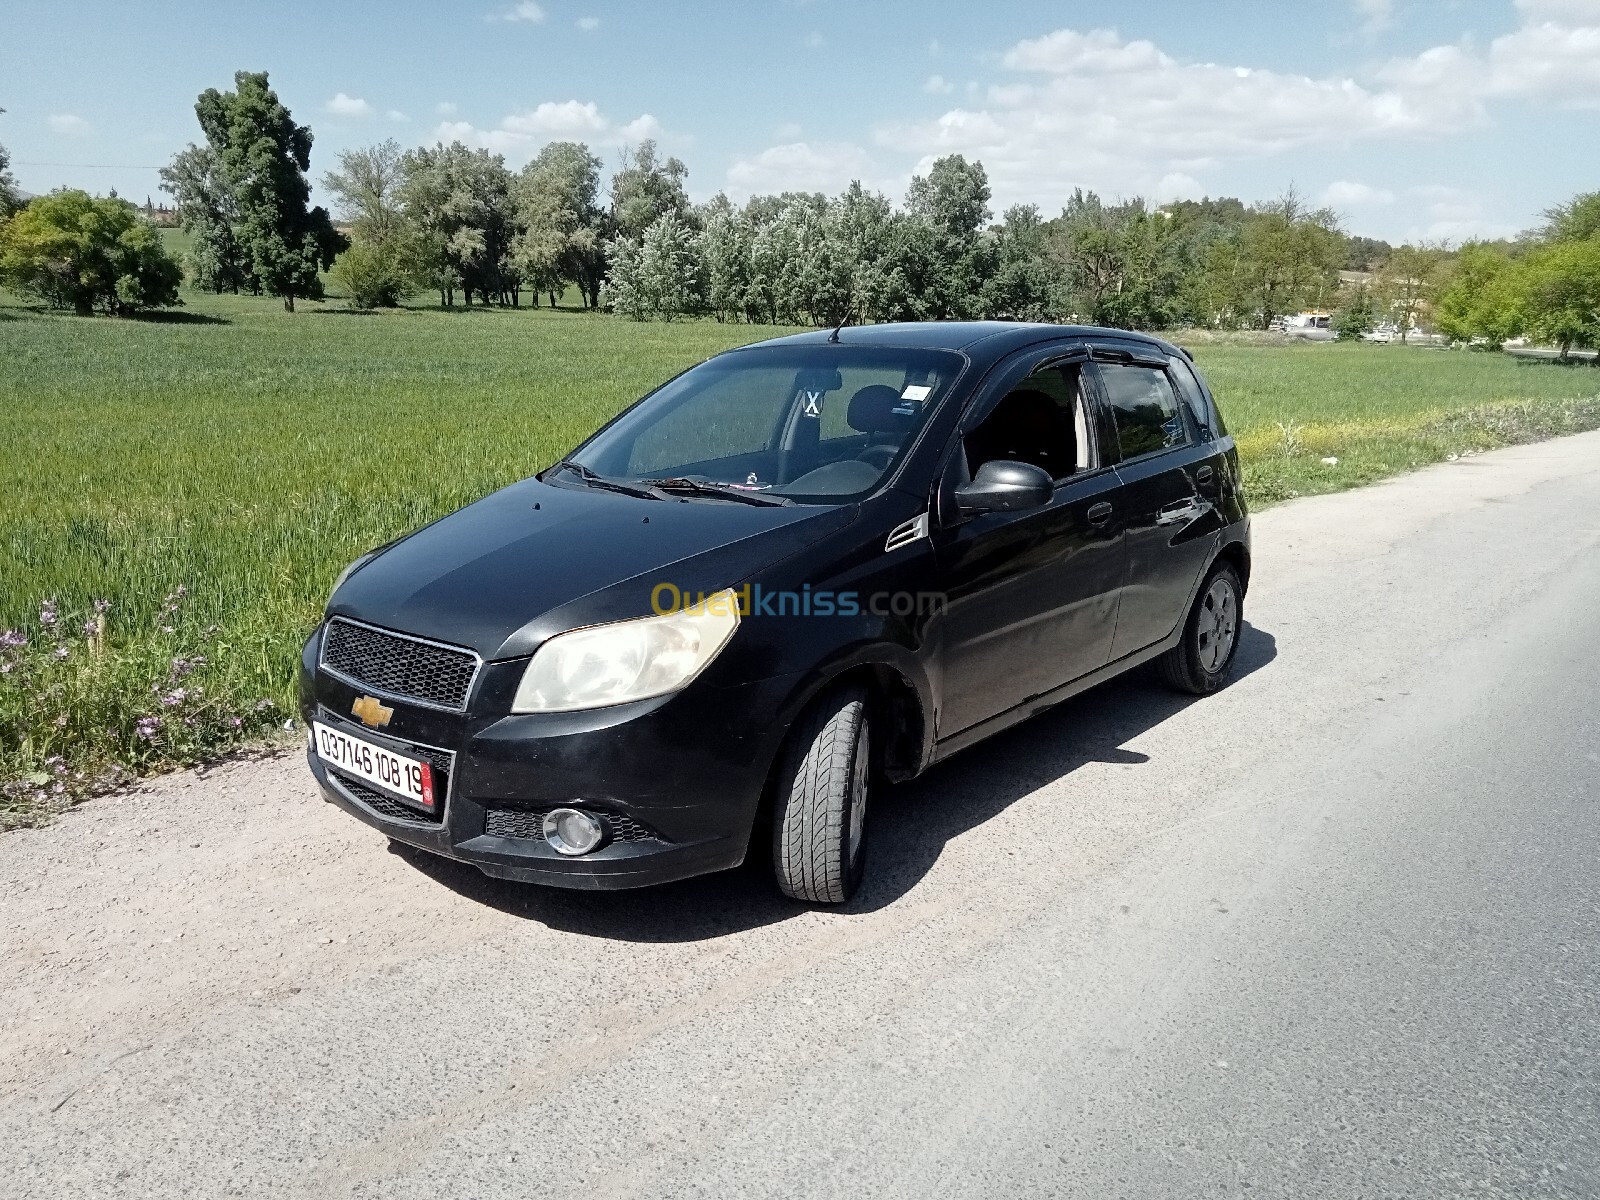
1544 287
457 222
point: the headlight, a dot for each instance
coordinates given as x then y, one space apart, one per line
349 571
626 660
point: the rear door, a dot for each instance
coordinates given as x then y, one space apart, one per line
1169 468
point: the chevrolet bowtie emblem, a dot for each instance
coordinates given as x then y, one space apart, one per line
369 711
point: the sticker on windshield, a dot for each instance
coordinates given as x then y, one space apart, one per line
811 404
916 391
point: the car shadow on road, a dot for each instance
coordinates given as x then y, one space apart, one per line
910 826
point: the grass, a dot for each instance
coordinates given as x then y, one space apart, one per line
208 474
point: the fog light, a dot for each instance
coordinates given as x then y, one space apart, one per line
571 831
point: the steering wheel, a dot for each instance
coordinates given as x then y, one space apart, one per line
878 456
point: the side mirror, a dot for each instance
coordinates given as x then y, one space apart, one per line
1005 486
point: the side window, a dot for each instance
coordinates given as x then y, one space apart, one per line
1044 420
1189 388
1144 408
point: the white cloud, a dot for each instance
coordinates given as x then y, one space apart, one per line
800 166
588 24
1345 193
445 108
1094 109
1177 186
522 134
789 131
398 117
70 124
938 85
1449 214
933 48
348 106
1375 14
526 11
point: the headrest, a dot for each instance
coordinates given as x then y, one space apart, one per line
873 410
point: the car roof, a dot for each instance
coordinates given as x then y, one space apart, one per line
987 341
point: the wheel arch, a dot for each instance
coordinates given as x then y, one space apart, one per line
1237 555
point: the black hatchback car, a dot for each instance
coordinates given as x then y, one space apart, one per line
795 570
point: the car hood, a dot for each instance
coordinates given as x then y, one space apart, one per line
534 559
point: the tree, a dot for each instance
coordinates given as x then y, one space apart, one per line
1366 254
1289 257
459 202
9 201
262 160
1357 318
1022 286
208 213
1483 297
658 276
644 189
1408 283
561 226
1576 221
380 268
73 250
953 201
372 275
1561 295
367 185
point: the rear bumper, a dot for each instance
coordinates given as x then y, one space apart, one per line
678 780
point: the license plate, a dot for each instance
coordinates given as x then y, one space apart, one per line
406 778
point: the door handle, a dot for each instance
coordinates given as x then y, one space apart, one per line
1177 514
1099 514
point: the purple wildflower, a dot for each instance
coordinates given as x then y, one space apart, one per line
91 627
146 727
174 698
11 639
102 606
236 721
60 652
47 613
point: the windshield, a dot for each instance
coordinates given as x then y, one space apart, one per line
813 424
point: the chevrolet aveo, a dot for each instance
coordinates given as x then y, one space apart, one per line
791 573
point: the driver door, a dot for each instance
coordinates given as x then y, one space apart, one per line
1032 596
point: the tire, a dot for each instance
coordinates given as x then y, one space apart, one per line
820 805
1200 662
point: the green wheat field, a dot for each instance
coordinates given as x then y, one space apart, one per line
208 474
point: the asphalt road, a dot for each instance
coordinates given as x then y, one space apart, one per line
1332 932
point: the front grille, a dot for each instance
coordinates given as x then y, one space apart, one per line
406 667
383 804
529 823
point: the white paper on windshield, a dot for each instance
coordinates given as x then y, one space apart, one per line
916 391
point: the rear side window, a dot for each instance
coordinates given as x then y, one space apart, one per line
1144 408
1194 395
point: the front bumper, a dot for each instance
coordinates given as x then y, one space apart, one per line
678 780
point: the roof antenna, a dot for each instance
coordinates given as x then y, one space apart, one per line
848 313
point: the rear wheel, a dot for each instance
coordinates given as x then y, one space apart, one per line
820 809
1201 660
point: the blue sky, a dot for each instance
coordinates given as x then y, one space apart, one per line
1414 118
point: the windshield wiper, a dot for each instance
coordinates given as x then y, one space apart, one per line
641 490
722 491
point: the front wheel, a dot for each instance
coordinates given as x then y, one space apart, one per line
1204 655
820 811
